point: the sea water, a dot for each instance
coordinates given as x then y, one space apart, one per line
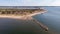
15 26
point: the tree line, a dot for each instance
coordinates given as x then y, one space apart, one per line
17 11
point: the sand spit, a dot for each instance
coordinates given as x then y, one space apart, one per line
21 17
27 17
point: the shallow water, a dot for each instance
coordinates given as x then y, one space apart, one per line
51 19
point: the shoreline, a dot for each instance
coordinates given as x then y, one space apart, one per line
21 17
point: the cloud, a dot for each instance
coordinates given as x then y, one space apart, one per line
36 2
55 3
29 2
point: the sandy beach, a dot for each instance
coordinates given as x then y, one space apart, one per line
21 17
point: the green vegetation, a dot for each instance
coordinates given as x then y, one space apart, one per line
18 11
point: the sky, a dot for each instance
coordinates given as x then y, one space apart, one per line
29 2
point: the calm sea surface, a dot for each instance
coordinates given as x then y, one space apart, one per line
51 19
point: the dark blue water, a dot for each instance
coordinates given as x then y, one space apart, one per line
51 18
17 26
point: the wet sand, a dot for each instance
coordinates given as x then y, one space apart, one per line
11 24
15 25
21 17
